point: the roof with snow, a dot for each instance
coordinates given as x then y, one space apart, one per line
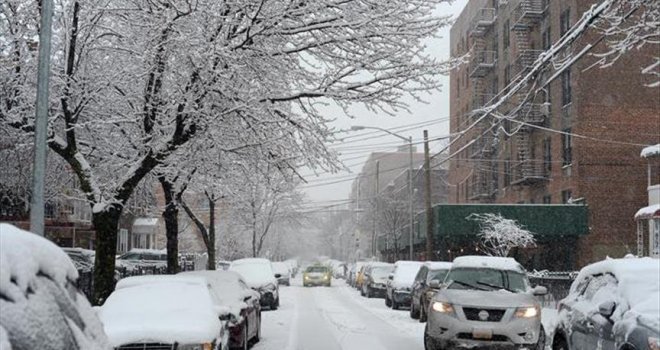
438 265
489 262
651 151
650 212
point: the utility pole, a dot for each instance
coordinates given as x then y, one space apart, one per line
373 236
410 196
41 119
430 238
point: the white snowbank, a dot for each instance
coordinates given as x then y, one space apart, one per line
651 151
647 212
23 255
404 273
229 294
490 262
176 309
256 272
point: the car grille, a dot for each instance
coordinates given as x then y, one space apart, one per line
147 346
472 314
496 337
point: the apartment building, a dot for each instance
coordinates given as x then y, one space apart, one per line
575 135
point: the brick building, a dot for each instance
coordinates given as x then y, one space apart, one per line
599 118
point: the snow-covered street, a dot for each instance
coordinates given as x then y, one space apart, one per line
336 318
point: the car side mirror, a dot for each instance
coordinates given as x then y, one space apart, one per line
247 298
435 284
278 275
540 291
606 309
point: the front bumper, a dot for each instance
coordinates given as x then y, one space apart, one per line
378 291
402 297
267 298
455 331
316 282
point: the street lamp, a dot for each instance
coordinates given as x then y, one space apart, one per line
410 176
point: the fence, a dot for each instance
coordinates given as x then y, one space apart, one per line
557 283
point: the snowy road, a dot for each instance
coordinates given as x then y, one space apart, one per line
336 318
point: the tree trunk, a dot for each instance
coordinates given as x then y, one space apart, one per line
105 225
171 217
210 248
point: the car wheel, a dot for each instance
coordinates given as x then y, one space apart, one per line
370 294
388 302
414 313
429 343
540 345
422 313
559 343
257 337
395 305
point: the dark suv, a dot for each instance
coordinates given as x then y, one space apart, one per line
422 292
612 305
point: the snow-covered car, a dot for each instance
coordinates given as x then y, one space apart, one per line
40 307
399 284
282 269
258 274
222 265
317 275
485 302
375 279
165 310
237 303
422 291
612 305
142 259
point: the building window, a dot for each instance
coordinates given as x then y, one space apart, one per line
566 94
547 199
547 155
122 242
655 240
567 147
565 21
547 38
566 196
505 34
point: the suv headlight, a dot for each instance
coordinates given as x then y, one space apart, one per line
654 343
444 308
205 346
528 312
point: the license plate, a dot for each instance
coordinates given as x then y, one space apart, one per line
482 334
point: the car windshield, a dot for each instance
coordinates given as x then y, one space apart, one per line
321 269
437 275
381 271
487 279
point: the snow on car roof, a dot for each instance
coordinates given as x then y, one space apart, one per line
491 262
154 312
229 294
23 255
651 151
438 265
405 272
133 281
250 261
281 267
380 264
256 272
148 251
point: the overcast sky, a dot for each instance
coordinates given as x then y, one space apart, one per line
321 192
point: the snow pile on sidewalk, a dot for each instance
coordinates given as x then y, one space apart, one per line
41 307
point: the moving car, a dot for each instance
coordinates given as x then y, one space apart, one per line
166 310
612 305
238 304
486 302
399 284
375 279
258 274
422 292
283 269
40 307
317 275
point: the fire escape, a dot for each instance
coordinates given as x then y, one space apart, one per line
527 170
482 65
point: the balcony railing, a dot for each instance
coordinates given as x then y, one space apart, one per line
528 172
527 13
483 21
482 62
526 59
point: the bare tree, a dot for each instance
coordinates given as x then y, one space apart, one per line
394 217
499 235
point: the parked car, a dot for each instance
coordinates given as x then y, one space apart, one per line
258 274
166 310
142 259
284 271
238 303
399 284
353 272
359 278
612 305
422 292
375 279
40 307
317 275
486 302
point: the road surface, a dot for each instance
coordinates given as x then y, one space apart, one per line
336 318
